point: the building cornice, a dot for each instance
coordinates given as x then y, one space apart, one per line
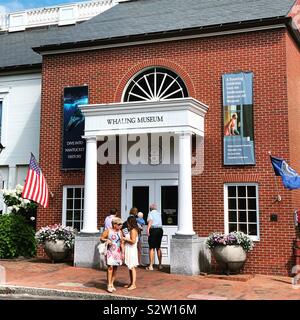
173 35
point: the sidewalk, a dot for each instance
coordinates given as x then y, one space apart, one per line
62 278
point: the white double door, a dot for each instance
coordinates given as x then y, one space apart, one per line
164 193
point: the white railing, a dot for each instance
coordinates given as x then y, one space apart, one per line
61 15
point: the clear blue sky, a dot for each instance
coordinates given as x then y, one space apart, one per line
18 5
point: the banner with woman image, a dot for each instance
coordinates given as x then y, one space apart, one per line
238 118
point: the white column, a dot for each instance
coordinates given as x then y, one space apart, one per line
185 211
90 187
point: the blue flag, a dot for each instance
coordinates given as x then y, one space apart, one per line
290 178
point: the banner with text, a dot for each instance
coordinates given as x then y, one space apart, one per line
238 118
73 144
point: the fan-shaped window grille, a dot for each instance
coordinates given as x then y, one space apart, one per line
155 84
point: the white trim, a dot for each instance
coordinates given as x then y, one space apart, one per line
128 44
4 89
226 229
4 97
64 202
180 115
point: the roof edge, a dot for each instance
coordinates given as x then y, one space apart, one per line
167 34
22 67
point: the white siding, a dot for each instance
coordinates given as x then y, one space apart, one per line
21 95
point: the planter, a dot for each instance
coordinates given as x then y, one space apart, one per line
56 250
230 258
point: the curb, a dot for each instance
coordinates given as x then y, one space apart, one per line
11 290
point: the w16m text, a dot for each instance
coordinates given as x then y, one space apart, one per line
171 309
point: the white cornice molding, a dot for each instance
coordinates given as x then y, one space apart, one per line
145 107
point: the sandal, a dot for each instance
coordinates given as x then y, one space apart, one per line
149 268
160 267
110 289
132 288
127 285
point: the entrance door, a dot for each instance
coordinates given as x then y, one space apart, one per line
140 194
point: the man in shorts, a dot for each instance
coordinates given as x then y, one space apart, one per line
154 233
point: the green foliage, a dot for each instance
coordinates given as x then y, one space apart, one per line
17 237
18 205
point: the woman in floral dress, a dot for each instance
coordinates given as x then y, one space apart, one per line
113 238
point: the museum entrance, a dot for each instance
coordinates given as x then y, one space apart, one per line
140 194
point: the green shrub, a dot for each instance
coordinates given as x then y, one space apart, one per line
17 237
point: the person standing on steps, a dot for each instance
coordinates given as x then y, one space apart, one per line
155 234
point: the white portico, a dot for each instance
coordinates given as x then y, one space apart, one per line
183 117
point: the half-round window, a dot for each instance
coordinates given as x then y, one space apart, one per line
155 84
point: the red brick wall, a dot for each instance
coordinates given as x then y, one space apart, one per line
201 63
293 86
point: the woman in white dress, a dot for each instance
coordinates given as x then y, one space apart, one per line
131 250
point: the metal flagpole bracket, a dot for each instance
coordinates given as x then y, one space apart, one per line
278 198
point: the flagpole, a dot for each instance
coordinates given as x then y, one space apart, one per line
278 197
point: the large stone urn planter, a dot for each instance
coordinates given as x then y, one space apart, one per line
56 250
230 258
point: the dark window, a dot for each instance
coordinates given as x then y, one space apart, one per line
242 209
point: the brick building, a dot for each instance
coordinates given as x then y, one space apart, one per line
140 56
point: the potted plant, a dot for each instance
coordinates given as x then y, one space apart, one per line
230 250
57 241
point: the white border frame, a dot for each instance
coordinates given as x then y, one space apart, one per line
64 202
254 238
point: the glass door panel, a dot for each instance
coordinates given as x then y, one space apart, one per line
140 199
169 205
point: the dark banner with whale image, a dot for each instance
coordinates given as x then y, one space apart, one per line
73 144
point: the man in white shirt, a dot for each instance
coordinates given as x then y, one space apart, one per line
154 233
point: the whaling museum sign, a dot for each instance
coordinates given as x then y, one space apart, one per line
130 120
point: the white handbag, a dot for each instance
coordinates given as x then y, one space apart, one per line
102 248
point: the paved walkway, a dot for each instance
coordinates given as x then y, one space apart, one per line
150 284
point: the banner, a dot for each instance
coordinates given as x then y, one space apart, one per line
73 145
238 119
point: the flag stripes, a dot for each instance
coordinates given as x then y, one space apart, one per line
35 187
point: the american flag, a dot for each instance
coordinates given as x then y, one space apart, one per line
35 187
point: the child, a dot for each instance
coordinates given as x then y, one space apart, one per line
140 222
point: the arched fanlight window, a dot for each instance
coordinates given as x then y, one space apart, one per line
155 84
